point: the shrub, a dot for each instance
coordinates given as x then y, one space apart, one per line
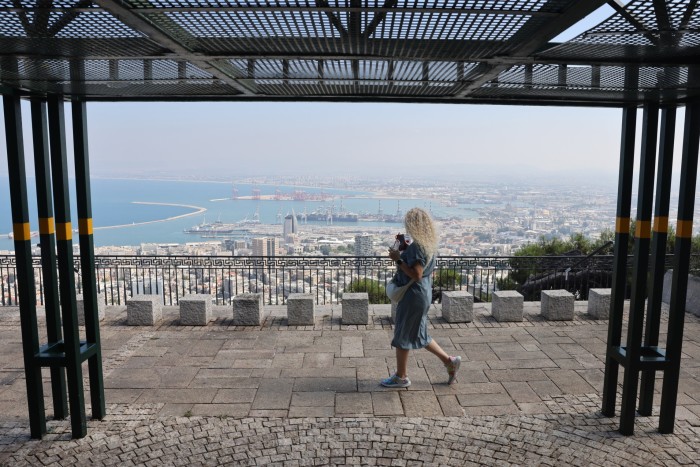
374 289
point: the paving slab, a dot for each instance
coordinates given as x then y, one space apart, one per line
527 393
325 384
313 399
273 395
387 403
234 396
420 404
353 403
450 406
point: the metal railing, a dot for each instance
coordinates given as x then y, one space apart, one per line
325 277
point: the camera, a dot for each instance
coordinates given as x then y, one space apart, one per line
401 243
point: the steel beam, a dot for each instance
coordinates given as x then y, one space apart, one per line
132 19
681 265
658 251
642 240
321 5
379 17
87 256
661 61
619 280
661 11
690 9
533 42
42 171
25 270
67 18
66 275
22 14
41 18
620 9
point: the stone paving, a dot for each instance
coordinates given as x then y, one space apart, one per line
528 393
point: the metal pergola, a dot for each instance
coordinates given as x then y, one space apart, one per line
456 51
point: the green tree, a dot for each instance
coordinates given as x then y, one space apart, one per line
606 236
349 249
524 268
580 242
374 289
446 279
506 283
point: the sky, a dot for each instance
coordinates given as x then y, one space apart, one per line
231 140
329 139
437 141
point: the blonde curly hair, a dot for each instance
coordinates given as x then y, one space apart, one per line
422 230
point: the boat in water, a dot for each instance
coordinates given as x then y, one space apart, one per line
329 215
213 228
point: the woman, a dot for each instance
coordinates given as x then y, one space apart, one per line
411 328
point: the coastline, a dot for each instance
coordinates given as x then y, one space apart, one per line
197 210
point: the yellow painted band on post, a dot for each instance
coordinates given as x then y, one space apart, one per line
46 226
622 225
85 226
21 231
643 229
63 231
684 229
661 224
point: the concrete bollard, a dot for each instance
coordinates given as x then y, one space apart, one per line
144 310
80 302
195 310
599 303
247 309
557 305
355 308
507 305
457 307
300 309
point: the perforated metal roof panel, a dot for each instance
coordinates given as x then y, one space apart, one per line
490 51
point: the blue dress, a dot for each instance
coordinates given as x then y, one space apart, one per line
411 328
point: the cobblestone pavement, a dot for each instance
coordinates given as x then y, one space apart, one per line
527 393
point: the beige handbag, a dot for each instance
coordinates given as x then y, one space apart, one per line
396 293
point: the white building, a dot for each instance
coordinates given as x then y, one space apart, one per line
260 246
273 245
291 226
363 245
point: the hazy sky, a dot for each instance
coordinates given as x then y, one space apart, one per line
227 139
234 139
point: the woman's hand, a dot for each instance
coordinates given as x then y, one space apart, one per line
394 254
414 272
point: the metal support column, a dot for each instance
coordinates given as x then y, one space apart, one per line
64 235
25 271
42 170
633 351
658 251
87 256
619 281
681 265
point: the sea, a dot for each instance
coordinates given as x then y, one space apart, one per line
120 218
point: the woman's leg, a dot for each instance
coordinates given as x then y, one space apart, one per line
435 349
401 362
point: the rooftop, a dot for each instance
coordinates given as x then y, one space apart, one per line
352 50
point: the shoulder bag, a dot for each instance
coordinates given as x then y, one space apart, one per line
396 293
